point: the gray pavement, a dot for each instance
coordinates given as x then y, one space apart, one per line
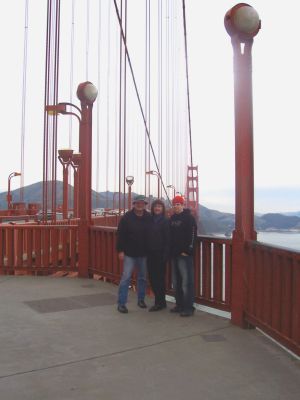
62 338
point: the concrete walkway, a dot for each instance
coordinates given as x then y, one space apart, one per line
62 338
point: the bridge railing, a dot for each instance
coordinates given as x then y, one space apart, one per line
273 292
42 249
212 265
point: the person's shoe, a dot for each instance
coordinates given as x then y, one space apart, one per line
188 313
176 309
142 304
156 307
122 309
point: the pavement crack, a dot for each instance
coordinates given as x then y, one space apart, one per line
128 350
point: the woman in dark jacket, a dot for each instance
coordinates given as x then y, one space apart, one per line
158 253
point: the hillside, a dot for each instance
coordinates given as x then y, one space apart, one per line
34 194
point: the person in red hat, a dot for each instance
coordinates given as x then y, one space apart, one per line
183 230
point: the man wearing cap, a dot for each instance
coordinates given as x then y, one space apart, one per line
131 246
183 230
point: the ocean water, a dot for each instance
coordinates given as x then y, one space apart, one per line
289 240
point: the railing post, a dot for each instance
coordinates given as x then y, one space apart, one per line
242 24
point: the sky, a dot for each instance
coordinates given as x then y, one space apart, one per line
276 85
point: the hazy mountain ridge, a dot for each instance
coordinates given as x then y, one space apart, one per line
212 221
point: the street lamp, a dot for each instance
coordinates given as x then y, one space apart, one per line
75 163
9 196
87 94
158 181
174 190
242 23
129 181
65 158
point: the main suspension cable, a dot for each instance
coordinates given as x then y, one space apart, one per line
187 80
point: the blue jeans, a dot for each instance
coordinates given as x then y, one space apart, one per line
128 267
183 281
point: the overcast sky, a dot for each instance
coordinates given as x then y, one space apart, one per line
276 85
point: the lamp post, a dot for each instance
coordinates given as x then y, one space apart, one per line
174 190
9 196
242 24
87 94
158 181
65 157
75 162
129 181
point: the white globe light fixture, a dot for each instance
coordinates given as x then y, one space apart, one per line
87 92
129 180
242 20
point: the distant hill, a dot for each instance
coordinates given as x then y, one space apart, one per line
34 194
217 222
292 213
211 221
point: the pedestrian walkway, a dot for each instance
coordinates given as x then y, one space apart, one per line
62 339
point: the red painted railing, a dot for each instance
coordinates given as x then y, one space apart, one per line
212 265
273 292
103 256
213 272
38 248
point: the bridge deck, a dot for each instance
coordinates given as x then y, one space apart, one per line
63 339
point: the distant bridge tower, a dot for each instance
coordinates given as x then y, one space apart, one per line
192 190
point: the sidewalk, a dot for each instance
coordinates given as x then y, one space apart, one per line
62 338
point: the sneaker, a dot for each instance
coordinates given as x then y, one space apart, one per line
176 309
142 304
122 309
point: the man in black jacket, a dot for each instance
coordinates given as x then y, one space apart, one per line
183 230
131 246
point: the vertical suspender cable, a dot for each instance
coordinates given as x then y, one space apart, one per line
71 91
149 86
51 95
98 110
46 101
187 86
138 96
71 70
120 112
124 110
108 105
116 125
160 105
87 43
55 98
24 85
147 177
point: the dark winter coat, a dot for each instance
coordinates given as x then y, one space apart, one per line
158 236
132 234
183 231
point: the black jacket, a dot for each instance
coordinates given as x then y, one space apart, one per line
183 231
132 234
158 236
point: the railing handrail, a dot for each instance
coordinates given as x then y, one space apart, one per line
38 226
214 239
285 251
